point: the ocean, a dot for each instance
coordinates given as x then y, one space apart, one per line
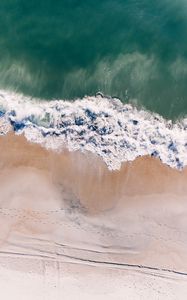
133 50
93 147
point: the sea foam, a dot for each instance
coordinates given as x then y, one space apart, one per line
115 131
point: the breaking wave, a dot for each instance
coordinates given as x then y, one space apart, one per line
74 206
115 131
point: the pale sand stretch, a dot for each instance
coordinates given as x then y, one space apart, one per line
89 231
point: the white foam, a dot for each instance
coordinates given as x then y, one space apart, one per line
115 131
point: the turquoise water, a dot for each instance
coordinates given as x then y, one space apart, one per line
135 50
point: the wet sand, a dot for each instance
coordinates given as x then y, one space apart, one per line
69 211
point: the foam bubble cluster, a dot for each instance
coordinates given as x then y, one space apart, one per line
115 131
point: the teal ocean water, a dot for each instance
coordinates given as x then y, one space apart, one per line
132 49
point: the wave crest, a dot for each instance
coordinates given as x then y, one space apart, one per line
115 131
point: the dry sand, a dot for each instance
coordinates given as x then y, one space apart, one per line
69 226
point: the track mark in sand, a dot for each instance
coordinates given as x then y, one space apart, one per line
116 264
92 262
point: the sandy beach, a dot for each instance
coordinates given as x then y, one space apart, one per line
56 218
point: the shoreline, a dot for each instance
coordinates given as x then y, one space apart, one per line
70 204
116 132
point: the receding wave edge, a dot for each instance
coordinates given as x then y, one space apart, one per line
115 131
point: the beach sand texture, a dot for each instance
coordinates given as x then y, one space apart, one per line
69 225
